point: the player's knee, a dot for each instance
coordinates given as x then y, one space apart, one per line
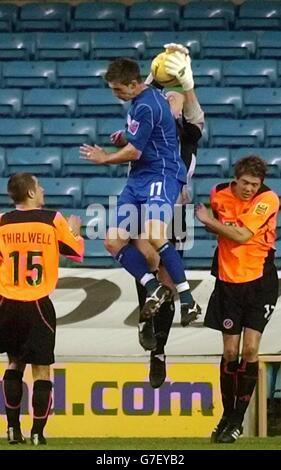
113 245
250 353
110 245
230 354
152 259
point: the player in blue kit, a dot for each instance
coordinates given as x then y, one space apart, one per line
189 118
155 181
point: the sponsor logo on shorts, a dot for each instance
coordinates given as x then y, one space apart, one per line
227 323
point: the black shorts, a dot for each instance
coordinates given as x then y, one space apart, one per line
233 307
177 230
28 330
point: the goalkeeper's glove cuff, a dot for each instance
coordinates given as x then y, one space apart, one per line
187 83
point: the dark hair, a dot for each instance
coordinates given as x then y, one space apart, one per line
252 165
19 185
123 71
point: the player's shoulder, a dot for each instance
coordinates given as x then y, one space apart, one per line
266 194
152 96
29 216
220 188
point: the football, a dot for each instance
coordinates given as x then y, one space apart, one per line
158 71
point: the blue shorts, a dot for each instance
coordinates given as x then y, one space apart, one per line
145 199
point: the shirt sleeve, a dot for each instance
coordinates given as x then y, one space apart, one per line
190 132
140 127
214 203
70 246
1 256
259 213
212 197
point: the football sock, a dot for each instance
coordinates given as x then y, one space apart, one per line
41 402
174 266
12 389
228 383
141 291
162 321
162 324
135 263
247 375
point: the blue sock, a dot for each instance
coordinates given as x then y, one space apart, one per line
135 263
186 297
151 285
173 263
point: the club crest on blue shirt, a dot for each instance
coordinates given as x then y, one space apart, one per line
132 125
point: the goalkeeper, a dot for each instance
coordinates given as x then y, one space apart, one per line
190 120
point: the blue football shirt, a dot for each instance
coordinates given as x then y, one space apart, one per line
151 129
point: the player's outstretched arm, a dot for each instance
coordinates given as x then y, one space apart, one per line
98 156
179 66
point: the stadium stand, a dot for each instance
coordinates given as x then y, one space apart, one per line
68 131
262 102
29 74
279 73
230 45
112 45
93 221
63 46
144 66
217 101
273 133
98 190
200 255
207 15
205 139
41 161
213 162
81 73
99 17
107 127
156 39
203 187
10 102
236 132
15 132
5 200
153 16
62 192
49 102
249 73
272 156
274 184
207 72
75 166
99 102
14 46
2 161
96 255
8 17
200 232
44 17
260 16
269 45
